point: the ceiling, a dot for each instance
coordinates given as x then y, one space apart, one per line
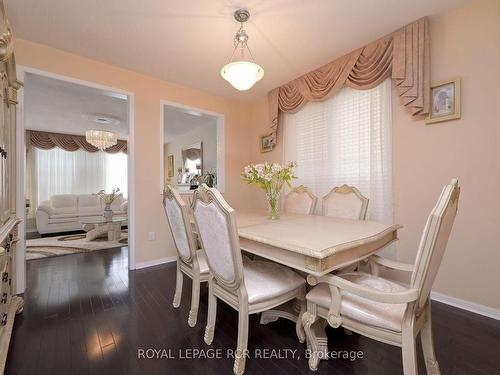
179 121
58 106
188 41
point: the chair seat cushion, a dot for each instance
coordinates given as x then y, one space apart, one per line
380 315
266 280
202 261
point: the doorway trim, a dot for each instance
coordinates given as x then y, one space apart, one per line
220 141
21 167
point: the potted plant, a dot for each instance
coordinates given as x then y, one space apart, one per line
270 178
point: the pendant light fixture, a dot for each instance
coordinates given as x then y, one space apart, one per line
101 138
242 73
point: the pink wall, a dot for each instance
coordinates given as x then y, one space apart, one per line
466 43
148 92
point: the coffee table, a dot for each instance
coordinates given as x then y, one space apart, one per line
99 226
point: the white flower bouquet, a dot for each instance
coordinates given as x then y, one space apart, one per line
270 178
108 200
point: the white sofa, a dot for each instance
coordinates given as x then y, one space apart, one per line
61 213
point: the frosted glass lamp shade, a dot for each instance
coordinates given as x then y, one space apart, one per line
242 74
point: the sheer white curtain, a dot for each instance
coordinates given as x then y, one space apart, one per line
345 140
62 172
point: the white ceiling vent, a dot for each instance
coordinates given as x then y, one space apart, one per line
101 118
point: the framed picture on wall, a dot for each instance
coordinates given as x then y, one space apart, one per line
170 165
267 142
445 101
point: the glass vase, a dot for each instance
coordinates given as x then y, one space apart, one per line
273 199
108 212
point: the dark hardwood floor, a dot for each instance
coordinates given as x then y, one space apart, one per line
87 314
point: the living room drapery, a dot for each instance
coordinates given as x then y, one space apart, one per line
402 55
68 142
57 171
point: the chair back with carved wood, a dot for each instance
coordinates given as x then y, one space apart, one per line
345 202
301 200
216 227
178 218
434 240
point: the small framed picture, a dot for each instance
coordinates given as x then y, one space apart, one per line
170 165
267 142
445 101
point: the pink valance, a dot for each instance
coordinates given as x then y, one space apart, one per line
402 55
68 142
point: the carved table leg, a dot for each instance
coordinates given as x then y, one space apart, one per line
319 329
289 310
88 227
112 230
318 326
317 344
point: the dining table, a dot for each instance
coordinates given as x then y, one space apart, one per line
312 245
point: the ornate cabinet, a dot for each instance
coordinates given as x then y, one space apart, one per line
10 304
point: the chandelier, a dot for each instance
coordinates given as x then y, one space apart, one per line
101 139
242 73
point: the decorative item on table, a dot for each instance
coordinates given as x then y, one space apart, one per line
270 178
210 178
186 176
194 183
179 176
445 101
108 200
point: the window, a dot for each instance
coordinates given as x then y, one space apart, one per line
345 140
58 171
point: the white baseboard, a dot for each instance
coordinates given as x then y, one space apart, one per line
490 312
155 262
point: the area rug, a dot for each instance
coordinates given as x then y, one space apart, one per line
70 244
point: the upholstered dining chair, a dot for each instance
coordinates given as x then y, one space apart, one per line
384 310
345 202
191 260
300 200
249 287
